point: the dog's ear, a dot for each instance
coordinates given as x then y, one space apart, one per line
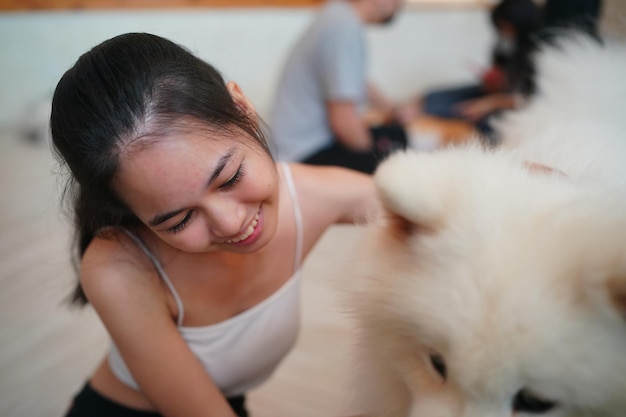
417 190
401 227
617 291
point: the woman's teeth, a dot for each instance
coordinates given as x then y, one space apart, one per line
248 231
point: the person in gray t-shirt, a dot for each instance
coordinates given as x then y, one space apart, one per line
323 91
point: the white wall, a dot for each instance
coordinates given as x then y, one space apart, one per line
422 48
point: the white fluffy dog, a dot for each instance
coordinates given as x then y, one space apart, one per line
488 289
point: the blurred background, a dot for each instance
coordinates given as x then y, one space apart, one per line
46 349
426 45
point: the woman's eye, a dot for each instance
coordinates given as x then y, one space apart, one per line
232 181
527 402
181 225
438 364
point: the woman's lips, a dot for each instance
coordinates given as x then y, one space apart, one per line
246 236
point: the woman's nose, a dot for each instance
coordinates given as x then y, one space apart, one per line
226 217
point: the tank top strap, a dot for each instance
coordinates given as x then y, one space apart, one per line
162 273
296 214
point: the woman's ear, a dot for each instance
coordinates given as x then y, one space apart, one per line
240 99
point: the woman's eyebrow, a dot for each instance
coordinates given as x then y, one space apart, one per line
221 164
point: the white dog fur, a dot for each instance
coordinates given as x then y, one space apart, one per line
512 280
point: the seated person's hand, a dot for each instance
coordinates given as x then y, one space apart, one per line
479 108
494 80
402 114
405 113
476 109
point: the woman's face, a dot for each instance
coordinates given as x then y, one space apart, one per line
200 191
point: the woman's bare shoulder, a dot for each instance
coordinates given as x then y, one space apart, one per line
338 194
114 267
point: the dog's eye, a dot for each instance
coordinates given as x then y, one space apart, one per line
438 363
527 402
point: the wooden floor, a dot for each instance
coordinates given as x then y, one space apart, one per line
47 350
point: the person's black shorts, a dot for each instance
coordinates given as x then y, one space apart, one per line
90 403
387 139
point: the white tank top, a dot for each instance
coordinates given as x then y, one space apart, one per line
243 351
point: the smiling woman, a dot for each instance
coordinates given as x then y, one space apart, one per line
183 224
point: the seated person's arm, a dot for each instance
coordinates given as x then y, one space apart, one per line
347 125
390 111
378 101
476 109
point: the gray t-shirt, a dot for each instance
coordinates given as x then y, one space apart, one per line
327 64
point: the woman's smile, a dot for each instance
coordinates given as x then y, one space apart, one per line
250 234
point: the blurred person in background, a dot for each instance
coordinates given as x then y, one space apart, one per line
508 80
318 113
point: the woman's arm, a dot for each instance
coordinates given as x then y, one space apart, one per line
332 195
131 302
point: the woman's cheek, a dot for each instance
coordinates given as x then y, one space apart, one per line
194 238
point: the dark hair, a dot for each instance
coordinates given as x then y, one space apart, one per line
581 15
131 87
525 17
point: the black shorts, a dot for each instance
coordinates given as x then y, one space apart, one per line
387 139
90 403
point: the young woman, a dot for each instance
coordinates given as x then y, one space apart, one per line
189 235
